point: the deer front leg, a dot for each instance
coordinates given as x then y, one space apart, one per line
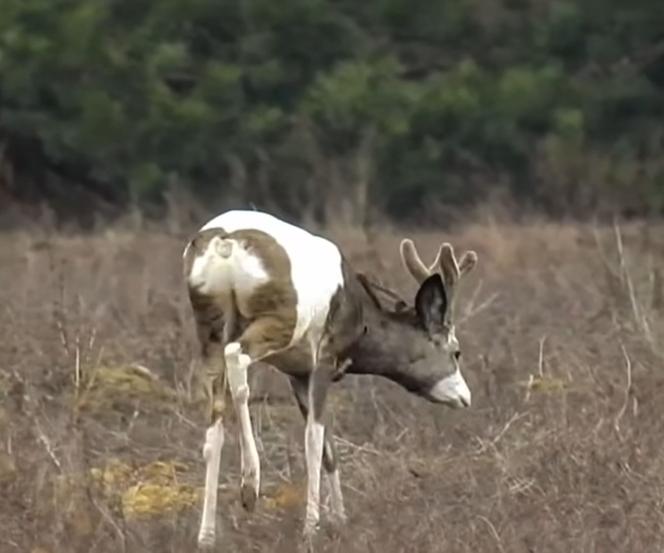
300 388
314 442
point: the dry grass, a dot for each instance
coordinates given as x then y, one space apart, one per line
101 424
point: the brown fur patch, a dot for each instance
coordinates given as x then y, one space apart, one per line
267 317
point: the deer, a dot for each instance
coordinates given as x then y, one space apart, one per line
262 289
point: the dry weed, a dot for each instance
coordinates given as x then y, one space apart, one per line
561 327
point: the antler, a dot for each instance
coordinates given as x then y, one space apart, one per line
451 269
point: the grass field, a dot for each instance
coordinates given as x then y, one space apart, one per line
561 325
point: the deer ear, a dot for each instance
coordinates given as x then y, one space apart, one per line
431 303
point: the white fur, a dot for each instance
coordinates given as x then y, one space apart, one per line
237 364
214 441
315 264
336 497
314 439
452 389
236 268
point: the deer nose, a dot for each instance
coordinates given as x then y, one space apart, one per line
462 390
452 390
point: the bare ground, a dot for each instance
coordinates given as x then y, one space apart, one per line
101 424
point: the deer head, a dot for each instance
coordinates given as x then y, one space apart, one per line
438 350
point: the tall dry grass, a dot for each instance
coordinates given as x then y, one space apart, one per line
561 326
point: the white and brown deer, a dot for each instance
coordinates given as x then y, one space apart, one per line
262 289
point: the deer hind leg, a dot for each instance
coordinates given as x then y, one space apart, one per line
262 337
300 388
214 441
215 328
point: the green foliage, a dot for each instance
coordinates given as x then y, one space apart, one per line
250 102
357 95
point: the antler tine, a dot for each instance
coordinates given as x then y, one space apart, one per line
448 265
412 261
453 270
467 262
456 269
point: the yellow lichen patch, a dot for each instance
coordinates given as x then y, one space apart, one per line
123 388
112 477
160 471
545 384
548 384
286 496
149 500
150 490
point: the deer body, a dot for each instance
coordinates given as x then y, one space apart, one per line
262 289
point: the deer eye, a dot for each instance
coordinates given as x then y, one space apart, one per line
457 355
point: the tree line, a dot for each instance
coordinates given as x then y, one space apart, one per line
335 109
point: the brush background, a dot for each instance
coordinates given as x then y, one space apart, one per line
560 325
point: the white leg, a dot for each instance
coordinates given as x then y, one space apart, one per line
336 506
214 441
313 450
337 509
237 364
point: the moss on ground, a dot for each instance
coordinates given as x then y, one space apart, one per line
136 492
545 384
146 491
123 388
286 496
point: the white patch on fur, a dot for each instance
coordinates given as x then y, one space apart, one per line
314 440
214 441
237 364
315 264
224 265
452 389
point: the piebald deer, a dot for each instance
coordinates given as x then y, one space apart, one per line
262 289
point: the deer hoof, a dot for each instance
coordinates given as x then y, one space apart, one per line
308 537
306 544
206 540
335 524
249 496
